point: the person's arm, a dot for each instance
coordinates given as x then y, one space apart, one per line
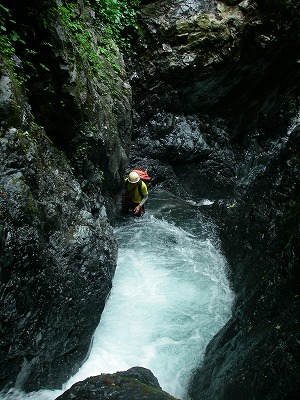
145 198
138 207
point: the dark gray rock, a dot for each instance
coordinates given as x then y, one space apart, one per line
215 91
58 251
256 353
231 69
77 88
136 383
57 261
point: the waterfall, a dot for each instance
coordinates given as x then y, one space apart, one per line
170 296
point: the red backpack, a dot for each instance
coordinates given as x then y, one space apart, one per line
143 175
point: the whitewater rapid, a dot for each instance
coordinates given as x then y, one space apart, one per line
170 296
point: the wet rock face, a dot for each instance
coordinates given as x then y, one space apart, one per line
57 261
225 74
183 45
206 59
79 91
184 142
136 383
57 249
220 115
256 352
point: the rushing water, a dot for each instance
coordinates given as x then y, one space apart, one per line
170 296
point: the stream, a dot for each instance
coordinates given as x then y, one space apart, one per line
170 296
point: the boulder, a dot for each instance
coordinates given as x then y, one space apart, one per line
136 383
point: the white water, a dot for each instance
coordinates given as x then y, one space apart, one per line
170 296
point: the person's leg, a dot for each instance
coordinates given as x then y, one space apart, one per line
125 206
128 208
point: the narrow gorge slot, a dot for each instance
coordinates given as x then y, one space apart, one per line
170 296
204 96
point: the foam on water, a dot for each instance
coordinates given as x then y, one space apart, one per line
170 296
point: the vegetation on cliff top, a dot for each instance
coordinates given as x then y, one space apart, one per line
120 18
115 20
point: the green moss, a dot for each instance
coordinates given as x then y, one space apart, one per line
82 149
25 140
98 56
202 27
150 391
114 20
134 387
24 197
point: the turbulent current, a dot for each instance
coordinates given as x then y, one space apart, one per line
170 296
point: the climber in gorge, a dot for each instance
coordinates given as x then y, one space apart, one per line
135 195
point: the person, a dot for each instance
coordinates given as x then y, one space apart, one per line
135 195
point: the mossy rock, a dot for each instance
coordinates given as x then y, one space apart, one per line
135 384
201 28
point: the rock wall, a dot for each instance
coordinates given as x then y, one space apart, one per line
255 355
64 140
215 115
216 111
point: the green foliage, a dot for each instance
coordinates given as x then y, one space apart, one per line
115 20
10 39
82 149
6 39
76 26
5 15
8 35
89 53
120 17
